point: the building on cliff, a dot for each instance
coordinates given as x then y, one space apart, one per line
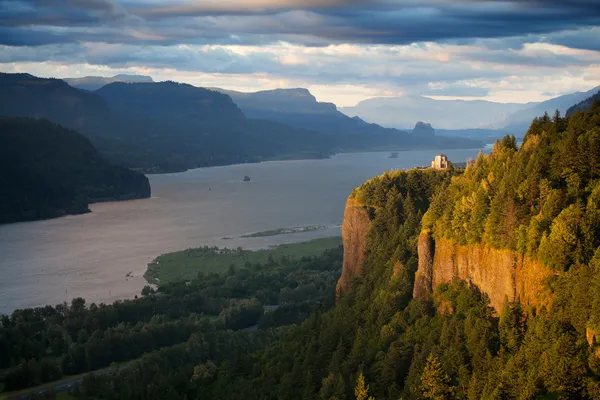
440 162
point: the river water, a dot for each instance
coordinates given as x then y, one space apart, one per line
102 256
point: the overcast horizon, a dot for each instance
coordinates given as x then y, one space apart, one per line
342 51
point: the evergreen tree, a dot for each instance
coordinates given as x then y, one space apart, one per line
435 383
361 390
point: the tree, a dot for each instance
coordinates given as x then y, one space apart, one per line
147 290
558 249
333 388
435 383
361 391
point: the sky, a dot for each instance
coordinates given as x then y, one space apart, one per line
343 51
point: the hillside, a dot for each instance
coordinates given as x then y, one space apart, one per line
48 171
170 101
299 108
139 129
520 227
24 95
585 104
189 127
475 283
92 83
512 306
518 122
171 127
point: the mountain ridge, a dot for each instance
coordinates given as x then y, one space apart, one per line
92 83
404 111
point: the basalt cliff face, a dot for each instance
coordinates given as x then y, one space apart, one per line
357 222
500 274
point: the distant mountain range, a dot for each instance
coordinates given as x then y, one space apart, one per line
519 121
92 83
299 108
405 111
473 119
168 126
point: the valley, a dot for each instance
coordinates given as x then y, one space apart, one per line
299 200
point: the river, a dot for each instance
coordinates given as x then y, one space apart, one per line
91 255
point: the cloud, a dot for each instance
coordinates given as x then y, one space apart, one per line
463 48
456 89
307 22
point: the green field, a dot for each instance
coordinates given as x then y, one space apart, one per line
185 265
286 231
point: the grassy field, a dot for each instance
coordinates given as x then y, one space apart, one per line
286 231
185 265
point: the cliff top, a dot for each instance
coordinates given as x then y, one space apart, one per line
541 199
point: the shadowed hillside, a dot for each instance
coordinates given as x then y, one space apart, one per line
47 171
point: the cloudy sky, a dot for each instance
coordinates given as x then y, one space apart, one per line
342 50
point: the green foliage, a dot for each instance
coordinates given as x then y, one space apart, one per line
540 199
435 384
187 264
42 344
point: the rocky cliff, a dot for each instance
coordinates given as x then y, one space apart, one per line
354 235
500 274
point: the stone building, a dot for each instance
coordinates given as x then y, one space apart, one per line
440 162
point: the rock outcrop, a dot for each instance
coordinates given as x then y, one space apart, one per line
500 274
357 222
423 129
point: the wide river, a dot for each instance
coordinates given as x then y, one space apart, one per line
102 256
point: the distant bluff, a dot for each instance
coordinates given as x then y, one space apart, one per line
423 129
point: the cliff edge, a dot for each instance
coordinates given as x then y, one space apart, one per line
355 227
500 274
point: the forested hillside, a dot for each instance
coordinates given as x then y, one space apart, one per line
169 127
538 200
584 105
184 126
47 171
169 341
158 127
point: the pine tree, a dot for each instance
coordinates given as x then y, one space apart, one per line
361 391
435 383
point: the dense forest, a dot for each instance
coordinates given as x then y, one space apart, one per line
47 171
456 345
214 318
584 105
169 127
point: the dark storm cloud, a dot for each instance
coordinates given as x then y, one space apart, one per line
310 22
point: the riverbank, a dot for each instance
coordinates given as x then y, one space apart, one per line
185 265
90 255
